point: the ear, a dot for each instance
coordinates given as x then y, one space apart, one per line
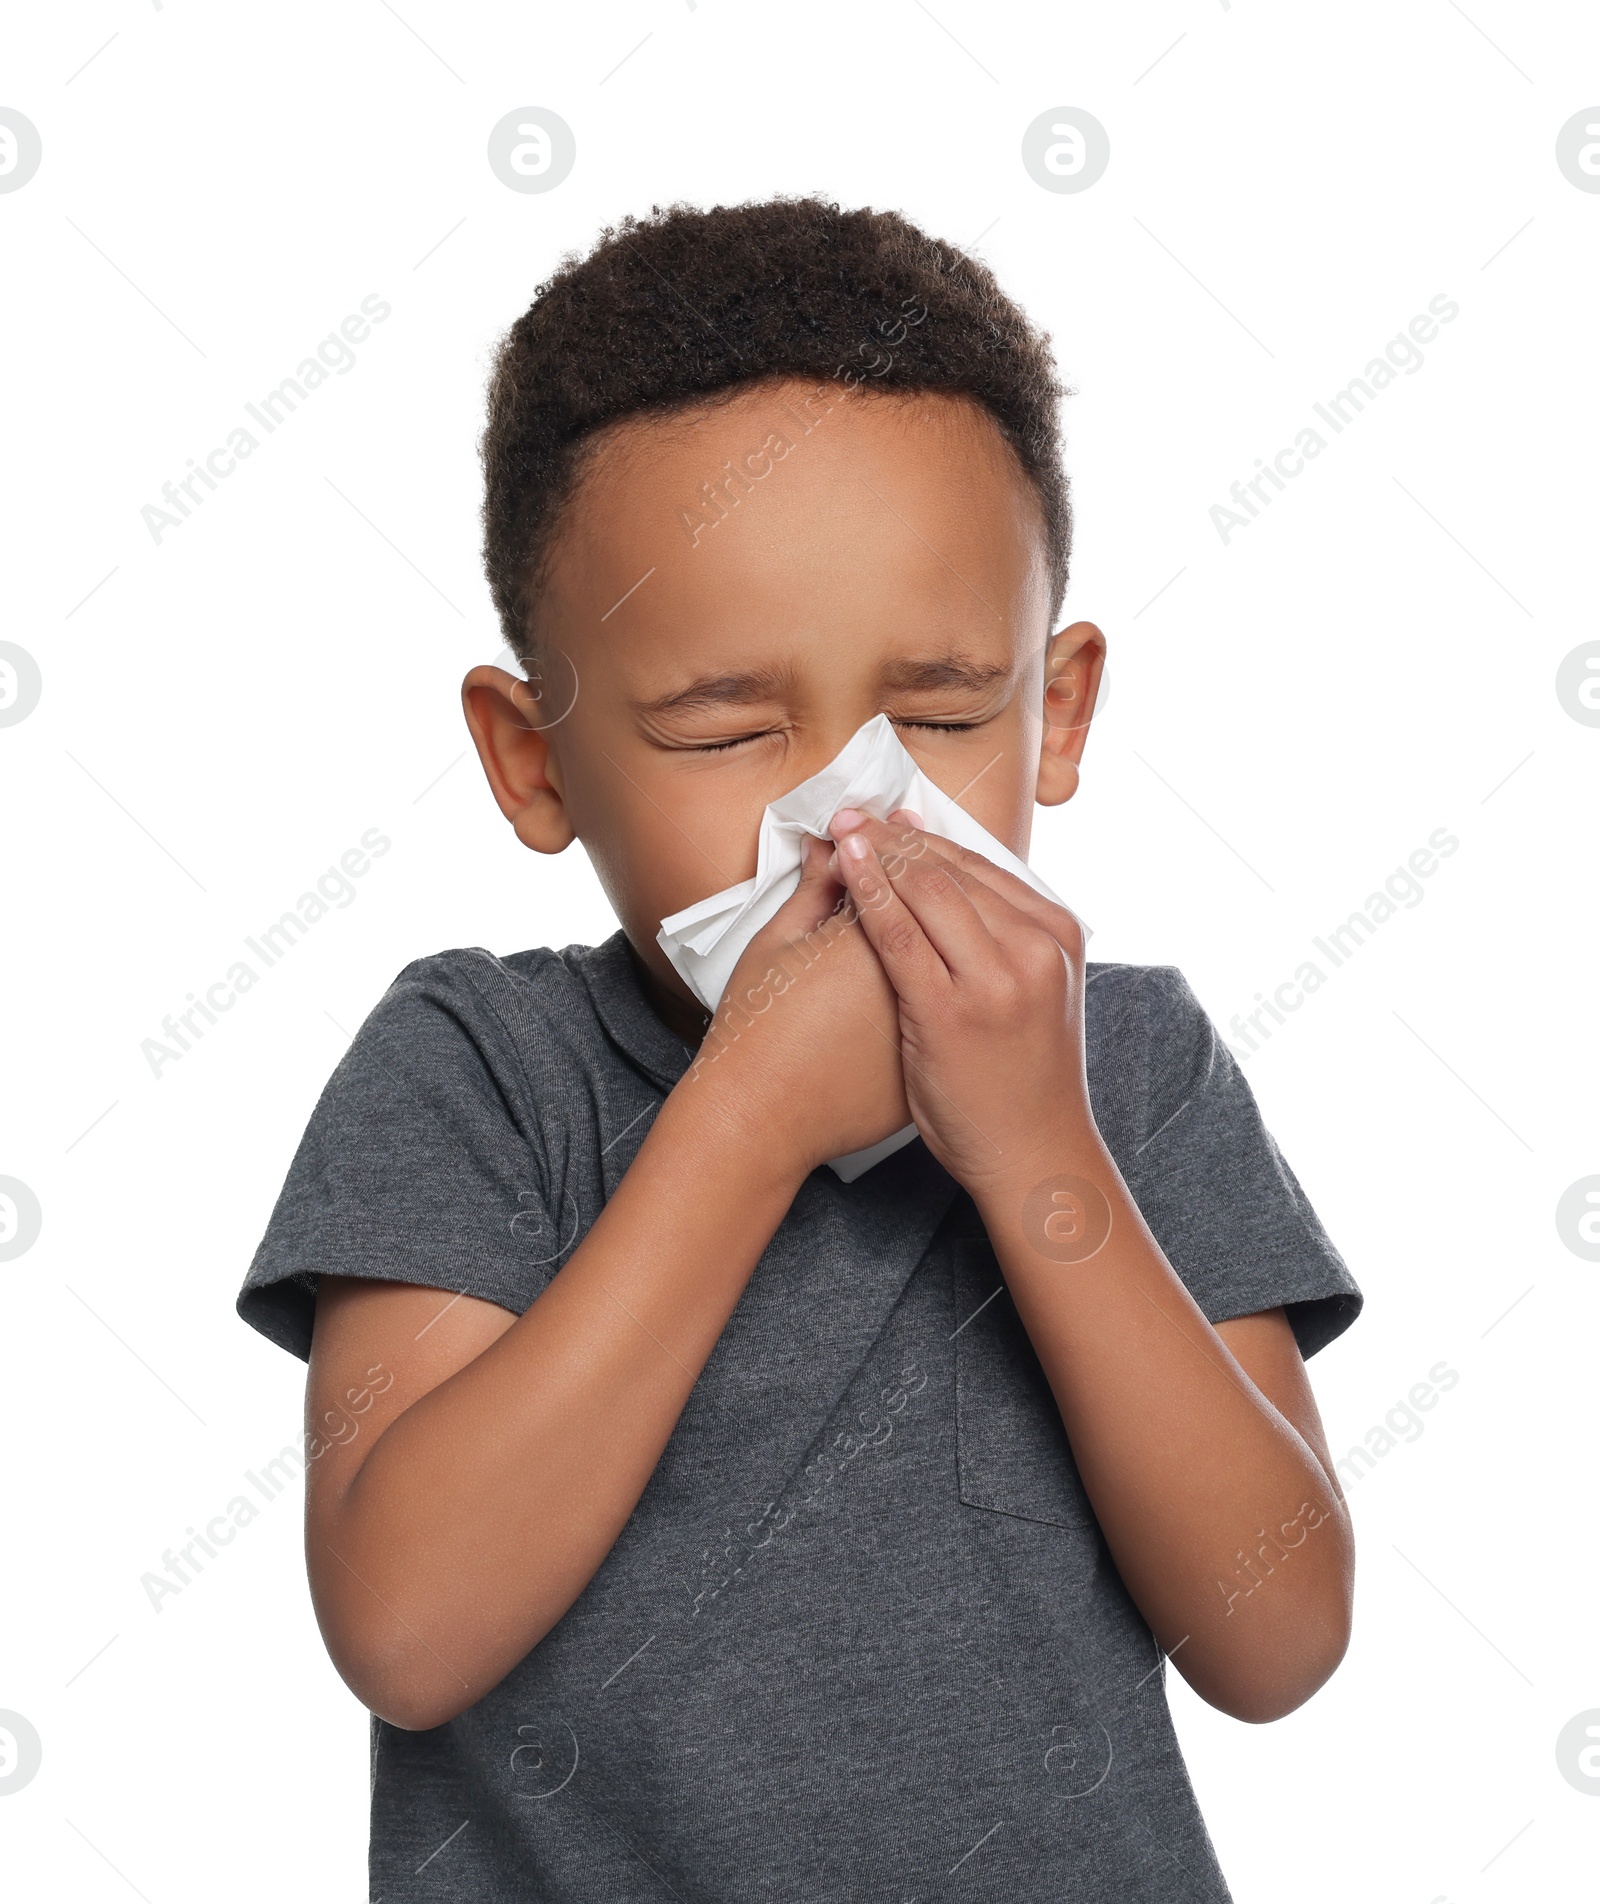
511 722
1072 667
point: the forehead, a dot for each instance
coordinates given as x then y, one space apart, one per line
799 515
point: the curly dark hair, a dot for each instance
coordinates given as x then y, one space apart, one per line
689 306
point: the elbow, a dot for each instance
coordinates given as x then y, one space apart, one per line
411 1713
1275 1699
413 1696
1290 1662
403 1680
1265 1670
399 1680
413 1653
1280 1685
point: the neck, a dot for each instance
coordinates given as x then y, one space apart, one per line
682 1014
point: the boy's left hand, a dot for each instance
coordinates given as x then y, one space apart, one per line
989 976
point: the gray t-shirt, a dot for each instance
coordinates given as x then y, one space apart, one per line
861 1638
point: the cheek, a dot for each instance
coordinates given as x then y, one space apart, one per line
711 846
1007 809
652 866
658 838
992 775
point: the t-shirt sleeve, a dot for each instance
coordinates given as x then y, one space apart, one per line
1216 1190
420 1164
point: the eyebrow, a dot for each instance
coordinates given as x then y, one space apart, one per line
751 686
945 671
742 689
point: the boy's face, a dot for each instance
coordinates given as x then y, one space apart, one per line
878 554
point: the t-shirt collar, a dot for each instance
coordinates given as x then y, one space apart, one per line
607 970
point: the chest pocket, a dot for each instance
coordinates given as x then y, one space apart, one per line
1012 1453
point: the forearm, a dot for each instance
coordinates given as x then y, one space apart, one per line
485 1508
1230 1535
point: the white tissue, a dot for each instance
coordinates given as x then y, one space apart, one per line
873 773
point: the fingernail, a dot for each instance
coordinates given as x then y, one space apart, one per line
910 815
846 820
853 846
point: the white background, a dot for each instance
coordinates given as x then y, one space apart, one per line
1291 714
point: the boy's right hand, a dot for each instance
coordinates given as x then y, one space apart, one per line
803 1051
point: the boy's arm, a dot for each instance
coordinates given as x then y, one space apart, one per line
508 1452
1199 1447
485 1484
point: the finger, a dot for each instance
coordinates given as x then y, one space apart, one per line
902 842
914 967
816 895
1063 925
931 891
973 875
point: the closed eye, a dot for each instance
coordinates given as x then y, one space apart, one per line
722 746
744 740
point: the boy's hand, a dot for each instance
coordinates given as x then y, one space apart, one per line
803 1053
989 978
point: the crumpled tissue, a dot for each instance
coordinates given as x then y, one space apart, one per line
873 773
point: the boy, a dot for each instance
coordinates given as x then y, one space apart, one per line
724 1530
